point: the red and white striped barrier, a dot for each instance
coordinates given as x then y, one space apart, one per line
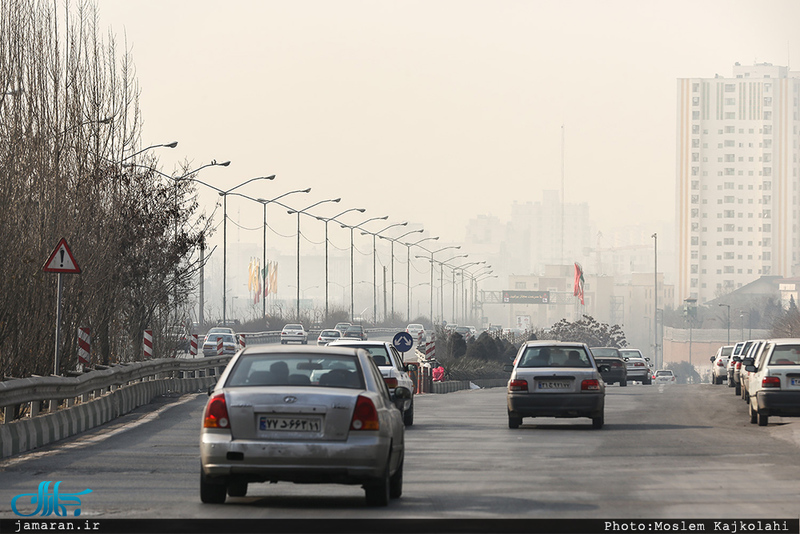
220 347
84 346
430 350
242 341
193 345
419 339
148 344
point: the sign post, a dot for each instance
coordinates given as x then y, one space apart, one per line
62 262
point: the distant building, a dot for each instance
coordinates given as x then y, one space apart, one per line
738 215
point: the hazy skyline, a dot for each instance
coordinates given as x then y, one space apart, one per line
433 112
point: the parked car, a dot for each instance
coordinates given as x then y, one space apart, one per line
294 332
736 355
417 332
392 367
555 379
341 327
355 331
617 371
735 365
326 336
637 366
719 364
664 376
774 386
229 344
754 354
304 415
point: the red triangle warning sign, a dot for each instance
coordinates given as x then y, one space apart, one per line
61 260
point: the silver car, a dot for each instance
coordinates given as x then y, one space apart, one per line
303 415
326 336
555 379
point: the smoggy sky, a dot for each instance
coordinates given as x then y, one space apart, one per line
434 111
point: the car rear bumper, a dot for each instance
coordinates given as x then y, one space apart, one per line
346 462
556 404
614 376
779 403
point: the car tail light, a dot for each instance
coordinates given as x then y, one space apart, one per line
590 385
771 382
720 364
390 382
518 385
616 364
216 415
365 416
738 365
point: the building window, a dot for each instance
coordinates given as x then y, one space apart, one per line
730 158
695 87
767 115
767 214
767 100
730 88
729 143
520 285
729 255
729 214
732 115
767 143
695 100
730 227
695 115
767 171
730 171
695 143
695 157
768 129
728 269
767 228
695 199
696 129
695 240
767 256
695 171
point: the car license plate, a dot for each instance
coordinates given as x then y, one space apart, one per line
795 381
290 424
550 384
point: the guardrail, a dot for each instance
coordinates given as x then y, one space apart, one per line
40 410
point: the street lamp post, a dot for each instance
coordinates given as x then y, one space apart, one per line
352 248
463 269
326 221
441 284
393 239
298 212
431 260
263 274
224 195
374 267
408 271
655 300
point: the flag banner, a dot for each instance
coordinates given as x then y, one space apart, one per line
578 289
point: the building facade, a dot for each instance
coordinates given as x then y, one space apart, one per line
737 179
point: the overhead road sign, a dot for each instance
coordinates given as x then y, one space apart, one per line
526 297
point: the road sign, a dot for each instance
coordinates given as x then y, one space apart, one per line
61 260
403 341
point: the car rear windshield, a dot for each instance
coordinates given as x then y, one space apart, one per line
785 355
330 333
663 373
293 327
226 338
726 351
296 370
606 352
379 353
555 357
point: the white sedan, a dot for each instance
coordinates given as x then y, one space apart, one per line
664 376
294 332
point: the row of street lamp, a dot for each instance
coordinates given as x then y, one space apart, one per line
305 211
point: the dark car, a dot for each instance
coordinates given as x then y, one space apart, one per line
355 331
617 372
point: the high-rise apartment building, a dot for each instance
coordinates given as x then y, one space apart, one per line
737 179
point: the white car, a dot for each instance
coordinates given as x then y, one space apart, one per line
218 330
294 332
754 354
736 355
774 385
328 335
638 366
719 364
664 376
230 344
417 332
392 368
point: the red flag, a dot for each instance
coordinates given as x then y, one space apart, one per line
578 289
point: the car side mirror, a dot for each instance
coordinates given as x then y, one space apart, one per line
750 368
400 396
713 358
508 367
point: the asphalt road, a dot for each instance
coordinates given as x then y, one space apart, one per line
681 451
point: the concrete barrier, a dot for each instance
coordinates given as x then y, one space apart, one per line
30 433
450 386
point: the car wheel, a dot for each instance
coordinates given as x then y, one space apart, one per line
623 383
730 382
514 421
738 390
237 489
647 381
753 414
377 491
408 416
396 483
763 419
597 422
210 492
